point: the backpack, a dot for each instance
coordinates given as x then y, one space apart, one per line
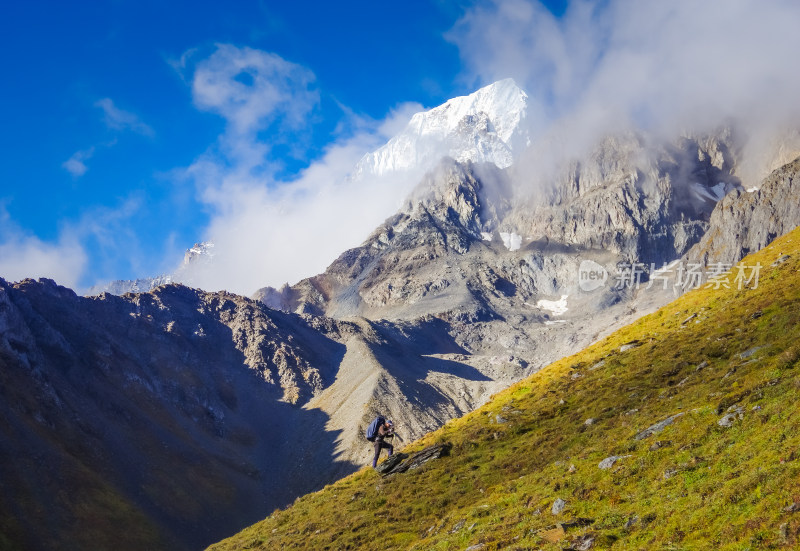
372 429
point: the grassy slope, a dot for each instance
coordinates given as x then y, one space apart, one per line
706 487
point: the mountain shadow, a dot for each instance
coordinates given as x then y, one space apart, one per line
150 421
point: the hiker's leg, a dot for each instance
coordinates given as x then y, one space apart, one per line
390 448
377 453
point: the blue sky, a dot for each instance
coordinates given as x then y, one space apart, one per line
126 138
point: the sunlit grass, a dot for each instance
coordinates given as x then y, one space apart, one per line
703 486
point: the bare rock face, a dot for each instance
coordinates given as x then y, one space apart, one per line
645 203
470 245
445 219
747 221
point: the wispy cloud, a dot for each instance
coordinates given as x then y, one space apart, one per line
25 255
119 119
76 165
104 235
252 88
268 231
115 119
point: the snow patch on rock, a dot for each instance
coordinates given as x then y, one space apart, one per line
555 307
512 240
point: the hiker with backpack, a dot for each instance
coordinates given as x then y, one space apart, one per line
378 430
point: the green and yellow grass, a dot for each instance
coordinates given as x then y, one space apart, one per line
703 486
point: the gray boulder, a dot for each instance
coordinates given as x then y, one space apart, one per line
658 427
558 506
609 462
400 462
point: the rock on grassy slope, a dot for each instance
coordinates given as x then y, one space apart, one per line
679 431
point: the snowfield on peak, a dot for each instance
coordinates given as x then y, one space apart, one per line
199 249
485 126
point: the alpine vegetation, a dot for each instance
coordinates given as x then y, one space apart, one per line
693 443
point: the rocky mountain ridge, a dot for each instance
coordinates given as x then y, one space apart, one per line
104 397
472 242
164 406
747 221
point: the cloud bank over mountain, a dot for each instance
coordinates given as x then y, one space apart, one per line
25 255
661 67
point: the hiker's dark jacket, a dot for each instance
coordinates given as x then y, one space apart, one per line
379 444
383 432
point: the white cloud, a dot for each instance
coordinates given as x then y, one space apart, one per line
180 64
75 165
267 234
664 67
269 231
250 87
25 255
118 119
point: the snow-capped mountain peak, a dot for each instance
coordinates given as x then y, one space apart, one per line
485 126
200 252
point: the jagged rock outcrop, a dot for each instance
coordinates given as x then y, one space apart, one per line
442 255
646 203
443 221
401 462
747 221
